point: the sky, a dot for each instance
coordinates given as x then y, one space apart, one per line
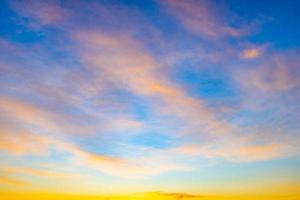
150 99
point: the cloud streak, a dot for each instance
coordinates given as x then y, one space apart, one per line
203 18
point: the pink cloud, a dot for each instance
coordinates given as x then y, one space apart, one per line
202 17
44 12
275 72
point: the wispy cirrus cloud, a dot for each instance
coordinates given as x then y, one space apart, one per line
276 72
237 153
42 13
12 181
22 143
204 18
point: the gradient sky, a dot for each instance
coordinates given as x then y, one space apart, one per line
136 96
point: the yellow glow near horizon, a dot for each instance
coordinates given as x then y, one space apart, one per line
141 196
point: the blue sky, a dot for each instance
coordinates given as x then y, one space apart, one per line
166 95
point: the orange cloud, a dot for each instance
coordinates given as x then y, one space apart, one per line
23 143
259 152
237 152
37 172
11 181
252 53
87 156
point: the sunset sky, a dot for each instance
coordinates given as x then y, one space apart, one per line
150 99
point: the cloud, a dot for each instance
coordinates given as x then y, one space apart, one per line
166 195
203 18
37 172
252 53
11 181
135 167
27 113
237 152
23 143
276 72
34 144
42 12
53 119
